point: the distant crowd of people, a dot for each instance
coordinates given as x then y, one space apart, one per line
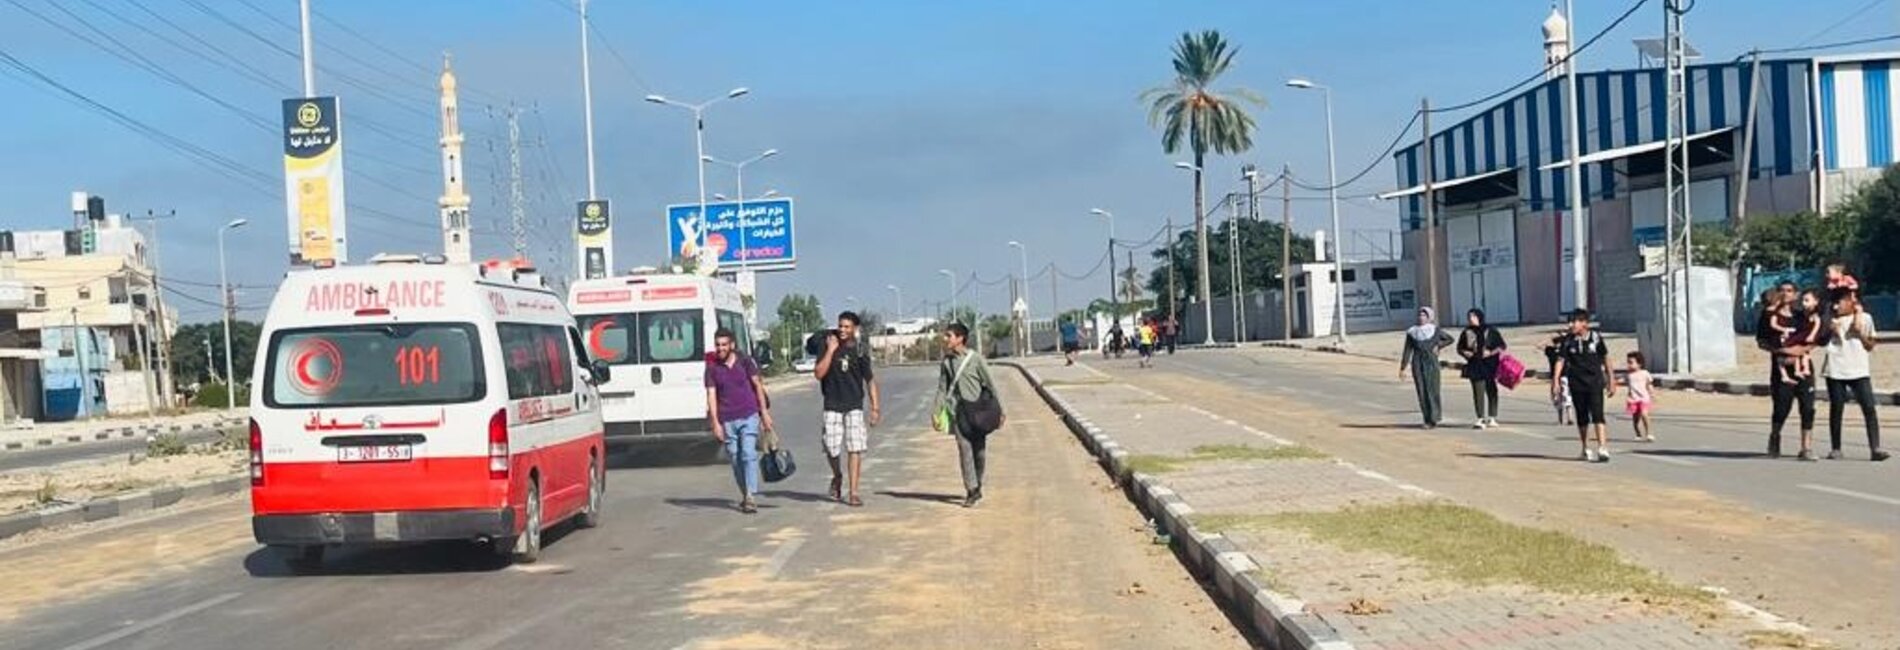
1792 326
1152 334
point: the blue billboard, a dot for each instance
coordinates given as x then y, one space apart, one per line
761 239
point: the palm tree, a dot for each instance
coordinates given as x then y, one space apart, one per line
1189 109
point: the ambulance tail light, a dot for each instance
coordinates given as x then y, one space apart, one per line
257 454
498 445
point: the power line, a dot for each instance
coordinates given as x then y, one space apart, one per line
1546 69
1823 46
1837 24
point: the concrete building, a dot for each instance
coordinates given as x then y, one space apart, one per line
1797 133
20 353
95 318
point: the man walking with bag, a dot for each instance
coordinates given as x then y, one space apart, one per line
845 378
737 407
967 407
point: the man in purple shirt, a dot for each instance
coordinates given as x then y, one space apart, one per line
736 405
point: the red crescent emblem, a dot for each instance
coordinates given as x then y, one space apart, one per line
594 343
317 366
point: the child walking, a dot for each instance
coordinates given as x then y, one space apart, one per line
1560 401
1641 397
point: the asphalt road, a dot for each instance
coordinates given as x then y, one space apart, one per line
1053 558
83 452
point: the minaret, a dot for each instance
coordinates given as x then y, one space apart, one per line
1556 43
454 200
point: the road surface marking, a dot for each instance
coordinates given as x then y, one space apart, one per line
105 639
783 555
1666 459
1850 493
1371 405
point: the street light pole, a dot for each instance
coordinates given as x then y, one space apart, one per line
224 287
587 100
309 60
1022 293
1332 199
699 159
899 294
1114 296
748 283
1205 291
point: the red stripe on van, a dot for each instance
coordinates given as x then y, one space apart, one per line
430 483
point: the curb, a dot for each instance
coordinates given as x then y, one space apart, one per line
1666 382
1281 620
115 433
118 505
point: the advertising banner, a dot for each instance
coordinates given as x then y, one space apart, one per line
313 180
762 239
594 232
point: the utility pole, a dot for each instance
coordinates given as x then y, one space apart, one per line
1114 292
1679 241
1233 265
1747 162
163 338
1286 252
587 101
1579 230
1173 295
85 376
309 59
517 201
1431 216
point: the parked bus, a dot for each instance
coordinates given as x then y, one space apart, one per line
410 400
655 330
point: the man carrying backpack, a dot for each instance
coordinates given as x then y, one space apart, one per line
845 378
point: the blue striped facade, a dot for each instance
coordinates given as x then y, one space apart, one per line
1619 108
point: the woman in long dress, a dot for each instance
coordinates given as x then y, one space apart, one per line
1422 343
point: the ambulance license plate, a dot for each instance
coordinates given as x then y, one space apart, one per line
374 453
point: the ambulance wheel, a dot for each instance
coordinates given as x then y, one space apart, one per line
302 559
525 548
596 492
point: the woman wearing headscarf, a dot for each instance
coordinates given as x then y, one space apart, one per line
1480 345
1422 343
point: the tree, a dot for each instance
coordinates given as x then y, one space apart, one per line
1803 240
798 315
1260 263
996 327
1190 111
190 363
1875 252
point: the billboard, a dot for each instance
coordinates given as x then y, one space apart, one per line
594 233
762 239
313 180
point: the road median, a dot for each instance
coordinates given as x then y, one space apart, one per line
1316 552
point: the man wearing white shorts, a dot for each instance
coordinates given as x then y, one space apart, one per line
845 378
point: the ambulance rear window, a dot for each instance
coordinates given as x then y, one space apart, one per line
375 365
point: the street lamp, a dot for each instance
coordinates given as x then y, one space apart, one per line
953 292
1205 291
224 287
1022 292
1114 297
899 293
1332 198
699 145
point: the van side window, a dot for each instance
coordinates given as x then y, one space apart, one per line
736 322
539 359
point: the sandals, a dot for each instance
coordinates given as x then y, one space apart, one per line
854 501
748 507
837 488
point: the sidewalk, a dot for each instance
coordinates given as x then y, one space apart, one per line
47 434
1327 554
1748 377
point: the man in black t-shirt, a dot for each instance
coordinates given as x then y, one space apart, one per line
845 378
1584 362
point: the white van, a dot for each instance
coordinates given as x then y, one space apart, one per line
410 400
655 331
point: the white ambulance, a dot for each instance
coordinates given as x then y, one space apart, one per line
410 400
655 330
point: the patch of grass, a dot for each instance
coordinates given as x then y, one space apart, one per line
1217 524
232 439
1246 452
1471 546
1154 464
48 492
166 444
1778 639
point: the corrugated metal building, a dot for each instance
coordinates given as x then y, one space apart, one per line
1821 126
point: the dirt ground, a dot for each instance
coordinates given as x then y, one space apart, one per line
80 482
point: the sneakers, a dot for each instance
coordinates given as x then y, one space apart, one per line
1492 422
1589 456
1834 455
1881 455
1774 445
972 498
1807 455
1603 455
1479 425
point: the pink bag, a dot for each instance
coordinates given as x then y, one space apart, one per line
1510 371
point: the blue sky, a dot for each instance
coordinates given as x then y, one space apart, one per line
914 135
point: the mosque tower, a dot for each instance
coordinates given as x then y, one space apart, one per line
454 200
1556 43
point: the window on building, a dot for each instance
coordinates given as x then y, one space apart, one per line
85 292
1352 275
1385 273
